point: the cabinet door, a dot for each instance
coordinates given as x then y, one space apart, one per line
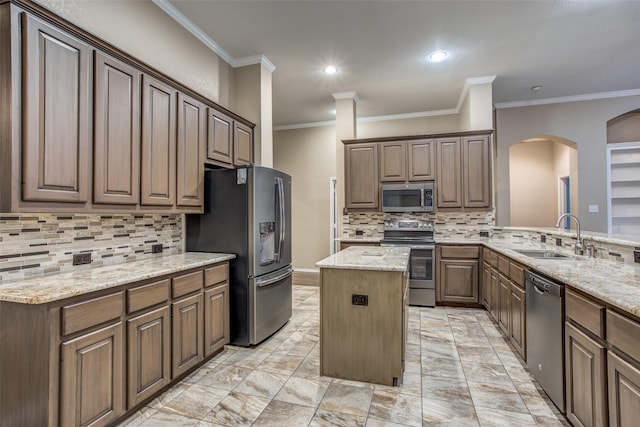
393 161
449 182
92 378
187 334
624 392
476 172
219 137
585 384
148 354
216 318
458 281
57 112
191 142
486 286
421 160
494 300
158 143
517 321
116 152
242 144
504 306
361 176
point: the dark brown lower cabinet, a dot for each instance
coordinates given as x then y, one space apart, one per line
586 383
624 392
187 334
504 306
92 378
458 281
518 319
494 293
148 354
485 293
216 323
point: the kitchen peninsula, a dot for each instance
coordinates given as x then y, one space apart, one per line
363 313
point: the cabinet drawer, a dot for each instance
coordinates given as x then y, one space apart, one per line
147 295
585 312
516 273
503 265
183 285
459 252
623 334
217 274
86 314
490 257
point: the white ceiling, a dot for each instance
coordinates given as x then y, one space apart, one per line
569 48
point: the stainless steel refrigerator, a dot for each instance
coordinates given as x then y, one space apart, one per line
247 212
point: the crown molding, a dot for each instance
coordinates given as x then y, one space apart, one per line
407 115
305 125
253 60
177 16
470 81
346 95
187 24
563 99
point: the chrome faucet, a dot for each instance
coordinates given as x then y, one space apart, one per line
579 248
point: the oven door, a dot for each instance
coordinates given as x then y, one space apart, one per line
421 263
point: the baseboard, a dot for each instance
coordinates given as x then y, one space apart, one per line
306 277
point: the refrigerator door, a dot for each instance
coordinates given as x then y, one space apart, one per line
269 216
270 303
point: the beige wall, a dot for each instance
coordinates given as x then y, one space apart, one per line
142 30
583 122
415 126
476 111
308 155
533 184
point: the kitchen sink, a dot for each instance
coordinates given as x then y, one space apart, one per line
542 254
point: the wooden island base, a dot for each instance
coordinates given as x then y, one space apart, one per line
363 318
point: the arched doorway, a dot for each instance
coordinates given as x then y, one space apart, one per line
543 176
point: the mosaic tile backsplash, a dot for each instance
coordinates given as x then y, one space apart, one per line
462 224
38 244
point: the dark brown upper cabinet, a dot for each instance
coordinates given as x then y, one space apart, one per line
158 143
56 114
116 152
191 143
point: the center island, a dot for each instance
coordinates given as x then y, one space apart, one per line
363 313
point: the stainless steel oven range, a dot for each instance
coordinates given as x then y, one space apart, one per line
418 235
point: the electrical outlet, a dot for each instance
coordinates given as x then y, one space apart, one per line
359 299
543 239
484 234
636 256
558 242
359 232
83 258
156 249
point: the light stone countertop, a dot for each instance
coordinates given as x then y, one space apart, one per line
613 282
368 258
44 289
367 239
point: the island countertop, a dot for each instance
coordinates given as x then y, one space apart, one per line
45 289
369 258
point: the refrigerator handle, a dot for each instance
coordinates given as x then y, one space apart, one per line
283 220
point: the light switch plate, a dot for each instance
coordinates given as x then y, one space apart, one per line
593 208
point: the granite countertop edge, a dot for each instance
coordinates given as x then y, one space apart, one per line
373 258
46 289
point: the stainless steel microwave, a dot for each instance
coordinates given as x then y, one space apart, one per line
408 197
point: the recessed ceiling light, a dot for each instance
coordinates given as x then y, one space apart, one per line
330 69
536 88
438 55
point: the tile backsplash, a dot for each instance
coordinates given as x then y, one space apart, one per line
38 244
467 224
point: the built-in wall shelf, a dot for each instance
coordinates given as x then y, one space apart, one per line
623 186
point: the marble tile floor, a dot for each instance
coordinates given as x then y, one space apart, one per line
460 371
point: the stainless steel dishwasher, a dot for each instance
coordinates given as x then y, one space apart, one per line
545 335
